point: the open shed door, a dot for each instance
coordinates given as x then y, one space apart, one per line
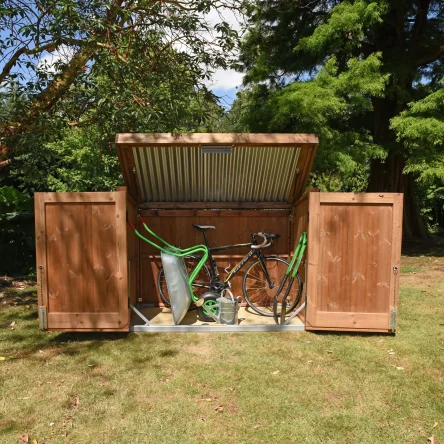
82 271
354 250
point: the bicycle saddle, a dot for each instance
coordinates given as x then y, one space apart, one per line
202 227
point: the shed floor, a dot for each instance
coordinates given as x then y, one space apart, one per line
162 317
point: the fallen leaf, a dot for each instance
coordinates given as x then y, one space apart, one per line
149 408
51 424
202 418
431 439
2 358
399 368
434 425
309 362
24 438
28 306
12 324
201 437
275 373
234 408
34 441
219 408
75 401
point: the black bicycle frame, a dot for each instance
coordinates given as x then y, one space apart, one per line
215 277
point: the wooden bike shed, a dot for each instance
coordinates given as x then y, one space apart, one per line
91 268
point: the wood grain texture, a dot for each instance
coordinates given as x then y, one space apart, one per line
83 249
177 229
351 257
259 139
214 205
299 224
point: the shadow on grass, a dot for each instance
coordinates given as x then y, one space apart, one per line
353 334
429 247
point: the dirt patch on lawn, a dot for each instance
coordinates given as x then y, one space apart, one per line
17 291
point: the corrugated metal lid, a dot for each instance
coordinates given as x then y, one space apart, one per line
231 170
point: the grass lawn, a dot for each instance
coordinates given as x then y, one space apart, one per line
247 387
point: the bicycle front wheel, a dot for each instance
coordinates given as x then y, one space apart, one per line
259 292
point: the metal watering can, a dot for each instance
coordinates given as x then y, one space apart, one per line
227 309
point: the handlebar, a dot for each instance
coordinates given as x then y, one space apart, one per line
263 244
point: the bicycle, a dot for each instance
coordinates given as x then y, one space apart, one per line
259 283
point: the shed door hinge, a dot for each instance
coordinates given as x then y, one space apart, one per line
393 319
43 320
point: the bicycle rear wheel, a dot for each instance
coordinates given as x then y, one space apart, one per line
259 294
200 285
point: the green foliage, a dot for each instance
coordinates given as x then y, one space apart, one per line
84 163
346 71
421 129
16 232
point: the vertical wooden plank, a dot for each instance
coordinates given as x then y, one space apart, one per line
362 241
313 257
40 239
384 274
345 258
398 203
105 294
122 257
372 262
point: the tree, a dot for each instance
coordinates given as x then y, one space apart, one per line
133 39
310 60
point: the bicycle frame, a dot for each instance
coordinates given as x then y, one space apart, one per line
215 276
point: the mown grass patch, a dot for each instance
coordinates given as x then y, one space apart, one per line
276 387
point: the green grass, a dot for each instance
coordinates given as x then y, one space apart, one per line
252 387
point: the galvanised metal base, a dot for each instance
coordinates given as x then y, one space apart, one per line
267 325
214 328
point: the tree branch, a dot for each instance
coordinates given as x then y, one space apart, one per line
430 56
24 51
46 100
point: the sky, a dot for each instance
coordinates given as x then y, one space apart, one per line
225 83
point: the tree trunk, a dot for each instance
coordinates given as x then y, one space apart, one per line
386 176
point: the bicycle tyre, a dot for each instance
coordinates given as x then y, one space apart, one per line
203 278
257 292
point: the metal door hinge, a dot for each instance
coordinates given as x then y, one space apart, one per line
43 321
393 319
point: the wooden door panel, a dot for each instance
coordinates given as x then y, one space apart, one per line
353 247
82 259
